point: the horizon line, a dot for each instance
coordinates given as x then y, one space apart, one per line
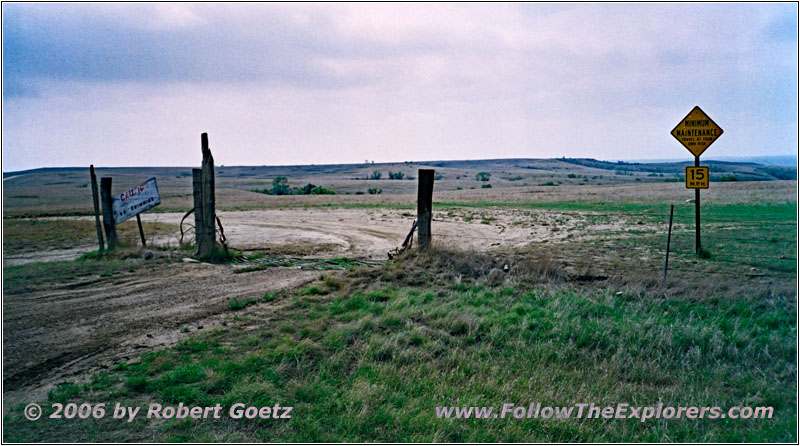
630 161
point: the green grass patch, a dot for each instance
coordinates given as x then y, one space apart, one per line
237 303
371 366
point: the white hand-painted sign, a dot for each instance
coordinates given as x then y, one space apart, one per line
136 200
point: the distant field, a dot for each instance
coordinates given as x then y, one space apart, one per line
65 191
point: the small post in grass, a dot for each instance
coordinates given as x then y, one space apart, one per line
669 237
96 202
141 231
424 207
109 223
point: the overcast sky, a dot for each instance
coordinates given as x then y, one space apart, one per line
135 84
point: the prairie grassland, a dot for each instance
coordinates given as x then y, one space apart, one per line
47 239
582 317
62 192
25 235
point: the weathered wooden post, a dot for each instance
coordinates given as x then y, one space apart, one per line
197 193
204 206
109 223
424 207
96 202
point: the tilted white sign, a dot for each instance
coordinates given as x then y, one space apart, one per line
136 200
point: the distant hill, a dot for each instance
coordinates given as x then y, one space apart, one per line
782 160
521 167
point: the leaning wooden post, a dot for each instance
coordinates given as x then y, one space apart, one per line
96 201
109 223
424 207
205 213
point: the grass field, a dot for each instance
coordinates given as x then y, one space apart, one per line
65 191
367 354
370 363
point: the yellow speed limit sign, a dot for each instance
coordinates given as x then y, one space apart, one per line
697 177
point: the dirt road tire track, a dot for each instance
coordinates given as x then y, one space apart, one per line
77 328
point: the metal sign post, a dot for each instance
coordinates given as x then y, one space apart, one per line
697 132
697 244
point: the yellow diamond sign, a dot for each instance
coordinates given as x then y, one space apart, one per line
696 131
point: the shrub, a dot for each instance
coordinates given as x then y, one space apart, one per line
486 186
482 176
375 175
396 175
310 189
280 186
374 191
319 190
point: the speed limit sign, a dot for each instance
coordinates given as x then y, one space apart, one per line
697 177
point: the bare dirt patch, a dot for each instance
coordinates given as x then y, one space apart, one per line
73 329
354 233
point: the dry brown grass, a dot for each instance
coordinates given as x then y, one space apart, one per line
443 266
43 234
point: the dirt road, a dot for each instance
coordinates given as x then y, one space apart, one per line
71 330
355 233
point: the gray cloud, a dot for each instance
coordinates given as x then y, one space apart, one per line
391 81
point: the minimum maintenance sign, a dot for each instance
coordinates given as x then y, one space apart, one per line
696 131
136 200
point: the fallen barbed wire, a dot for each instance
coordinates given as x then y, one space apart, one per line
406 243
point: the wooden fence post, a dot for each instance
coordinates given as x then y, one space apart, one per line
96 202
204 206
424 207
109 223
197 192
